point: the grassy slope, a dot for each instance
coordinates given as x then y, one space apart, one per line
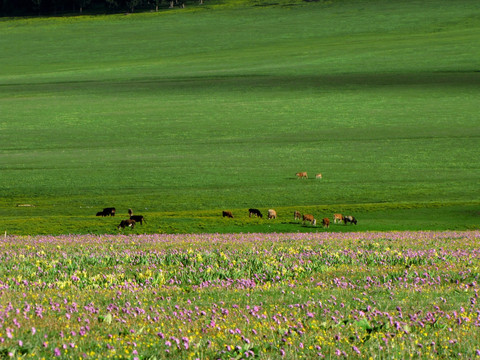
213 109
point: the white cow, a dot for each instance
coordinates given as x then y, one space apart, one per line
272 214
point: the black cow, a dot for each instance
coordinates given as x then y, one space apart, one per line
349 219
107 212
127 223
254 212
227 214
138 218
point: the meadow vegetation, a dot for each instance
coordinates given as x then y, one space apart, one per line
394 295
182 114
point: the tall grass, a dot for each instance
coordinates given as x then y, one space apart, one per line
262 296
219 108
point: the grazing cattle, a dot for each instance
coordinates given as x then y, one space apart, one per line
318 176
297 215
227 214
301 175
138 218
127 223
326 222
109 211
350 219
272 214
310 218
130 212
254 212
337 217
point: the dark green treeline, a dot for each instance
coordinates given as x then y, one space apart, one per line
59 7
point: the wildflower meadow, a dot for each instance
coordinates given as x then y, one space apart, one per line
231 296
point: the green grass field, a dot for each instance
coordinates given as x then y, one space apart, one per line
182 114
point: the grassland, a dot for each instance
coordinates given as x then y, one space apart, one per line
182 114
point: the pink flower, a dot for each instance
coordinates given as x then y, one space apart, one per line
186 344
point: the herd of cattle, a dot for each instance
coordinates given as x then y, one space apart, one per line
130 222
272 214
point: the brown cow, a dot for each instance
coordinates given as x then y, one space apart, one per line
337 217
127 223
227 214
310 218
297 215
302 175
318 176
326 222
272 214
